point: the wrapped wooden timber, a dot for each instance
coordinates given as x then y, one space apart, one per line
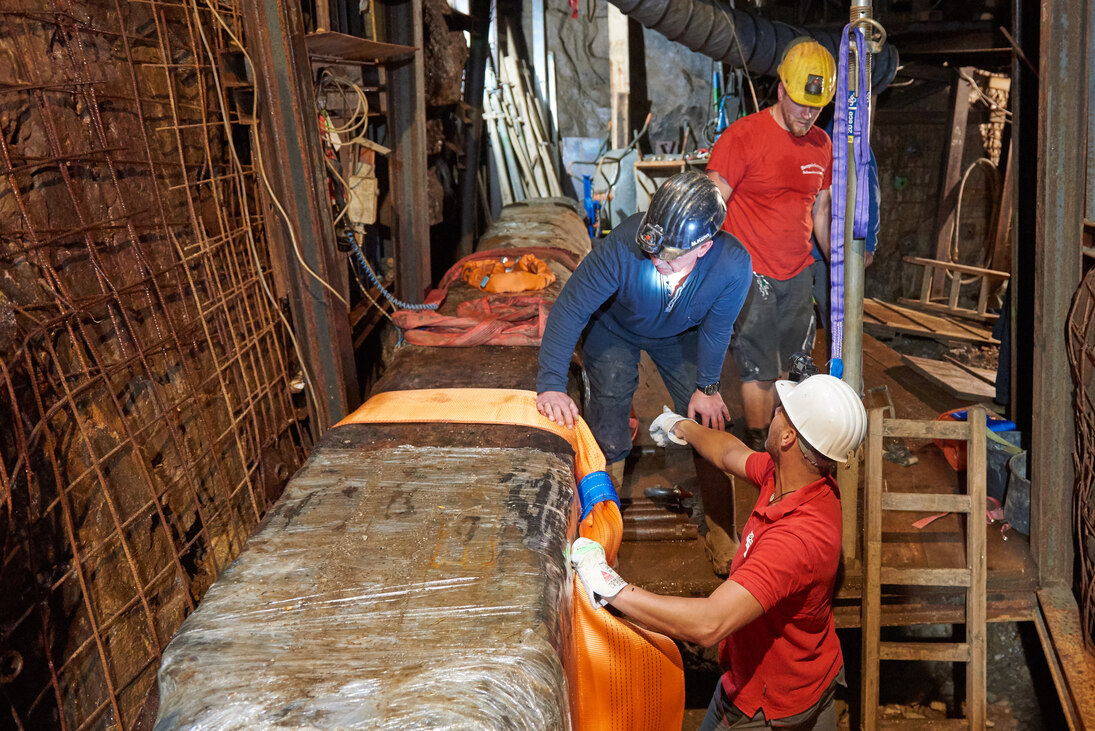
411 575
414 575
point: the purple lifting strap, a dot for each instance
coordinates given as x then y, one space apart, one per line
849 122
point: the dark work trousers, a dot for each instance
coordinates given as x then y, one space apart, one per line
722 714
612 366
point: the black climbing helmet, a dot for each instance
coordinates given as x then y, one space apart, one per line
685 212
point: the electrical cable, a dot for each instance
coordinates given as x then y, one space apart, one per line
994 180
262 170
993 105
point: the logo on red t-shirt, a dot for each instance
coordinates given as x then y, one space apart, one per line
813 169
748 544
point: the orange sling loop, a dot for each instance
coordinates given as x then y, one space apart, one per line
622 676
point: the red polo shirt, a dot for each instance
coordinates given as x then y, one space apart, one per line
785 659
775 178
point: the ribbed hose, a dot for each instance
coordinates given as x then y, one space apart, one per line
708 28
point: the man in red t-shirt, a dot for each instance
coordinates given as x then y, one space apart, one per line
774 168
783 666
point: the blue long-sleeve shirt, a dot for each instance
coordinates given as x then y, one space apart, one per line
618 285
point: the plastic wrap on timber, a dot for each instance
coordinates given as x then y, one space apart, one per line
403 587
539 222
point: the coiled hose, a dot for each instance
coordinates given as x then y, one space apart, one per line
363 262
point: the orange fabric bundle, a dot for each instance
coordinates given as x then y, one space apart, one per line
506 275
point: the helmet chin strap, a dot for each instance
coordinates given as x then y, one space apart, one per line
823 464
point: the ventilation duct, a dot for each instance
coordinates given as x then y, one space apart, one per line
707 28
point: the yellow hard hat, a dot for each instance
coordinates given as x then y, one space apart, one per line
808 73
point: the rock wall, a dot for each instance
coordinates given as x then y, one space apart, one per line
146 413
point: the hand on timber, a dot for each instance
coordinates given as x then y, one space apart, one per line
661 429
710 410
598 578
558 407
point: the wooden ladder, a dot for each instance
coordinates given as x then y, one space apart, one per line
972 577
931 282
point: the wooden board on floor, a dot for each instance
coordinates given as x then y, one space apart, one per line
965 382
887 318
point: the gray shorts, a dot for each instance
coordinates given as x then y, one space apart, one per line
776 321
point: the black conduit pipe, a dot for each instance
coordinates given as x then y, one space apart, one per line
708 28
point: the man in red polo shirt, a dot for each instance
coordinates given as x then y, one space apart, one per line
774 168
774 615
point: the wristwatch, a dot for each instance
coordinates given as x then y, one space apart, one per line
709 390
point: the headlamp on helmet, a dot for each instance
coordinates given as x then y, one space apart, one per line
808 73
685 212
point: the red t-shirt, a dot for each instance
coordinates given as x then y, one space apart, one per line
775 178
785 659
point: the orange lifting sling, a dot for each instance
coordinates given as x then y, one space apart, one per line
506 274
622 676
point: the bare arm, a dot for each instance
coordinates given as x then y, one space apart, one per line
720 182
720 448
823 216
702 621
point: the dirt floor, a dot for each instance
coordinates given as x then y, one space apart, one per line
1019 691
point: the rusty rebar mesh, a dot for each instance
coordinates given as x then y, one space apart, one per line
1081 355
146 416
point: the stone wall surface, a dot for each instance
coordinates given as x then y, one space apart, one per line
146 420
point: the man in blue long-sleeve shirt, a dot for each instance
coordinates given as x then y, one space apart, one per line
669 282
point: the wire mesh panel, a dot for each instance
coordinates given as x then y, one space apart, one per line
146 409
1081 355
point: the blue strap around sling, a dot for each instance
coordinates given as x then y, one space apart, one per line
851 121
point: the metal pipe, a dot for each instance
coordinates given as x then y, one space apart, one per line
738 38
852 350
474 84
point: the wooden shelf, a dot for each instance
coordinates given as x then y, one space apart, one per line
331 46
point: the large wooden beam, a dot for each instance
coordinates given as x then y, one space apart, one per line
951 174
407 163
619 64
1062 131
303 238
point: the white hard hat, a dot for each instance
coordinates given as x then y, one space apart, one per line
826 412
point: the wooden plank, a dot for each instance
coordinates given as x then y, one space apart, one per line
328 45
976 671
963 312
889 318
925 577
927 502
955 267
942 325
619 76
925 429
952 166
872 558
955 380
938 651
936 724
984 374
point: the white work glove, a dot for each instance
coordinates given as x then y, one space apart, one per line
598 578
661 429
